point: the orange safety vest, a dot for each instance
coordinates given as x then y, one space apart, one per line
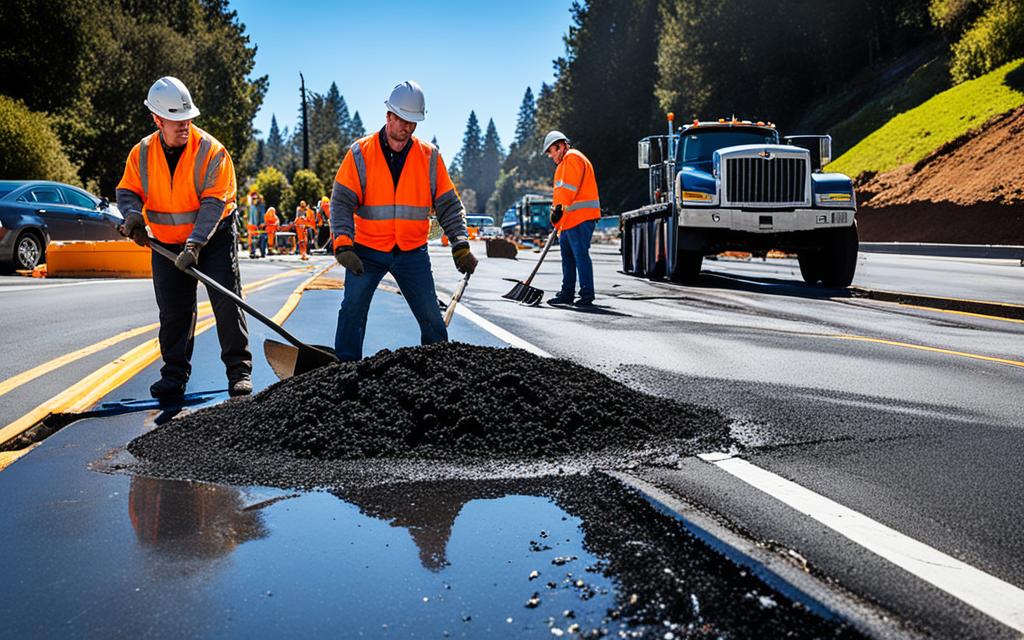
387 216
576 190
171 204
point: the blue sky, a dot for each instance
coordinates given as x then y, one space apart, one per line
466 55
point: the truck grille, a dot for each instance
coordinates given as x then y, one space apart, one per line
779 181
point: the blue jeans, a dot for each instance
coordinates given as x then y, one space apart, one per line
575 244
411 270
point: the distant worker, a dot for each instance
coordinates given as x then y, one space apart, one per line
574 212
257 237
196 219
380 216
270 221
304 221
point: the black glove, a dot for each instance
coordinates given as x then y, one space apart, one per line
188 257
465 261
556 214
134 227
347 258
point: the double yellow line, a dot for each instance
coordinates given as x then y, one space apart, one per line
86 392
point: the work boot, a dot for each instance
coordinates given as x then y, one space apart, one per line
584 302
240 386
165 388
560 299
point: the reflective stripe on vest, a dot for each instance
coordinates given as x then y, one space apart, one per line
176 218
357 157
433 173
587 204
565 185
201 154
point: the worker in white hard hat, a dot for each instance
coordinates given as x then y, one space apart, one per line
384 192
575 209
179 184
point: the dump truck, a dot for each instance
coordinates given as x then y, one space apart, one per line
528 217
736 185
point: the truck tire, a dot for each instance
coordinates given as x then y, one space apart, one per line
688 264
810 266
839 257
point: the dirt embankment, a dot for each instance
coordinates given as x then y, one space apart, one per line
969 191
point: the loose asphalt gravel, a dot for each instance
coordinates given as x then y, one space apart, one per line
449 402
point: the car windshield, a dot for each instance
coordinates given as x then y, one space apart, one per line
699 145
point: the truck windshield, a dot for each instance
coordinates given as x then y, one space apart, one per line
698 146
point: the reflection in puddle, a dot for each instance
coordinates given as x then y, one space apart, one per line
573 555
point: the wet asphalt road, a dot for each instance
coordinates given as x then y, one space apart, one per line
927 442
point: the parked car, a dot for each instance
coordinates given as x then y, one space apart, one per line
34 213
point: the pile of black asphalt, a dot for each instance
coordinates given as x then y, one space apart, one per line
444 405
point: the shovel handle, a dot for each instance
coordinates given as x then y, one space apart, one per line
213 284
450 311
536 267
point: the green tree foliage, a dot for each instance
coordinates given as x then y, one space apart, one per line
603 98
491 160
954 16
466 167
305 186
326 162
99 60
276 150
996 38
272 185
29 148
357 131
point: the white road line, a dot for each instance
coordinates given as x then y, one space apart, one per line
55 285
500 333
990 595
995 598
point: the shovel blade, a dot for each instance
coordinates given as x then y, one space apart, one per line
288 360
532 297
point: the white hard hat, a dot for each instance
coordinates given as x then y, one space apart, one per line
406 102
552 138
169 98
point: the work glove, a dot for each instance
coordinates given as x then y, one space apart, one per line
556 214
346 257
188 257
134 227
464 259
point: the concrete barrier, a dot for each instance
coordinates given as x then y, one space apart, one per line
107 259
991 251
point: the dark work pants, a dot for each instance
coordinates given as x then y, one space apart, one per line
575 245
176 298
411 270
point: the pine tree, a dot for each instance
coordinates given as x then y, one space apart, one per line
466 165
491 158
526 122
338 110
433 141
357 130
275 150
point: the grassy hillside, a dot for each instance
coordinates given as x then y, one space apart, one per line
912 135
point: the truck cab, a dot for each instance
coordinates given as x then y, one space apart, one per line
737 185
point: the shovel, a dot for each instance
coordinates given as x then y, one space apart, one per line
285 360
450 311
523 293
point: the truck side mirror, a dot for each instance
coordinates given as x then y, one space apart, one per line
825 150
643 153
819 146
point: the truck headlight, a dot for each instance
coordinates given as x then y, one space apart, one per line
834 198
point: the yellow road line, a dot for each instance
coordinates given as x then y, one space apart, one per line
921 347
204 310
958 313
86 392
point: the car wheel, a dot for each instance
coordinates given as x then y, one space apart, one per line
28 251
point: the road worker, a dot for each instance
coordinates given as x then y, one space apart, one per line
323 223
304 221
383 194
257 238
270 222
180 182
575 210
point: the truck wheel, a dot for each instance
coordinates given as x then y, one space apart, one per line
839 257
810 266
688 264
